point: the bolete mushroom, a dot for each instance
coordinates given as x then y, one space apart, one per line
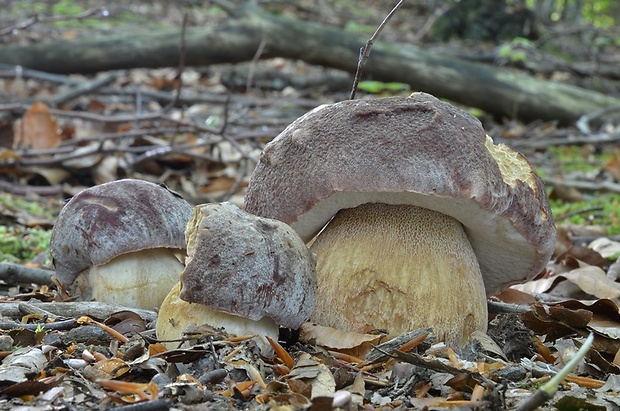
121 242
246 274
427 216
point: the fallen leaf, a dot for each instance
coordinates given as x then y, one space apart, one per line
605 247
37 129
336 339
594 281
314 373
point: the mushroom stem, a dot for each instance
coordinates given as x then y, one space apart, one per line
139 279
398 268
177 316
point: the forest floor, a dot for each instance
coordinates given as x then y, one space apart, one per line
58 137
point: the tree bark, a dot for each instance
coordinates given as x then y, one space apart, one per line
500 92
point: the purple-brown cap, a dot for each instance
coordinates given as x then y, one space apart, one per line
111 219
417 150
248 266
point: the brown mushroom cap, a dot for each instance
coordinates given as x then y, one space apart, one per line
248 266
418 151
116 218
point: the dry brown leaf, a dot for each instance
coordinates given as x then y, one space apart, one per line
593 280
605 247
336 339
514 296
115 367
543 322
580 256
37 129
316 374
537 286
488 344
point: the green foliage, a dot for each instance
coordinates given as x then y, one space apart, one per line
573 158
599 13
20 244
607 213
601 209
513 50
377 87
66 8
34 208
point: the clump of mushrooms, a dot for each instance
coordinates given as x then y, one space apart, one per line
427 216
121 242
246 274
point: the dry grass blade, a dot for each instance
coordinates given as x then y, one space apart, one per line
281 352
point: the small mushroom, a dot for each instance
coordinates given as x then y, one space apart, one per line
244 273
121 242
427 216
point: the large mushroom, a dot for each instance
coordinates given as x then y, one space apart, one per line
246 274
427 216
121 242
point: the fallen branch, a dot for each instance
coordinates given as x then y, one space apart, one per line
585 185
500 92
75 309
15 274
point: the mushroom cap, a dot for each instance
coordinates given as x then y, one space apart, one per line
417 150
248 266
111 219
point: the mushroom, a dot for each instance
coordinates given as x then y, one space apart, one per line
427 216
246 274
121 242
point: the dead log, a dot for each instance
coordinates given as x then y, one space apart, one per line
500 92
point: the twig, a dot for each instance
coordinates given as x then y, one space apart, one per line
583 124
25 189
500 307
112 136
58 325
383 351
180 67
14 274
585 185
49 19
121 118
253 63
83 88
11 71
365 51
599 138
162 404
428 24
27 308
577 212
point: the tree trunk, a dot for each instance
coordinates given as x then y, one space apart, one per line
500 92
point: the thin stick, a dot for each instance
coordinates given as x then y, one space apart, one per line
365 51
180 67
253 63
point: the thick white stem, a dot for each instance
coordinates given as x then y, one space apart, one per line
140 279
398 268
177 316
